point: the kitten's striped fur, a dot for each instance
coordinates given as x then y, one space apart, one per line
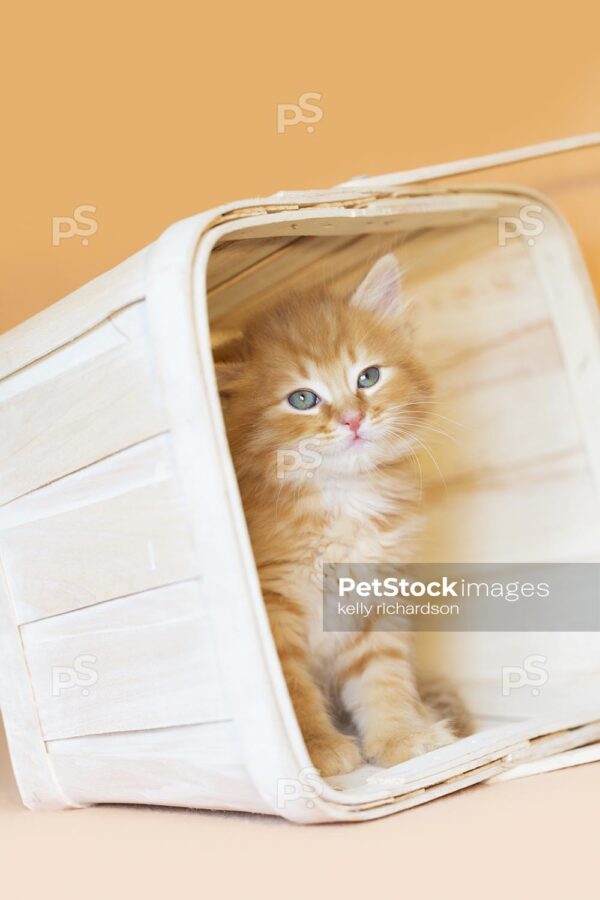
358 503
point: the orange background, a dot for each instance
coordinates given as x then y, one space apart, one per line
151 116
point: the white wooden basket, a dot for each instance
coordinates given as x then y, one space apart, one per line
136 664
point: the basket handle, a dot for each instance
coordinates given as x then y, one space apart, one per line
475 163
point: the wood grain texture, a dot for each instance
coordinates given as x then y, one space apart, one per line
340 260
231 258
508 458
278 271
114 528
33 770
144 661
113 332
77 417
196 765
77 313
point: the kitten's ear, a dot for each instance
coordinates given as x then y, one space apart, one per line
229 376
381 291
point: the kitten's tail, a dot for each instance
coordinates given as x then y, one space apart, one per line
443 699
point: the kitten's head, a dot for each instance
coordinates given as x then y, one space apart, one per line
327 385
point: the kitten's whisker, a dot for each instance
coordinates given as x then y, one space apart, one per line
427 427
418 462
419 424
419 403
411 436
434 461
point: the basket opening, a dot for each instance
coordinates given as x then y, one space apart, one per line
508 479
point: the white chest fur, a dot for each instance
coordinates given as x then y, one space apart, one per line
360 525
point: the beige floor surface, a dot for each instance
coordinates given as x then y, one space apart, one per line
535 837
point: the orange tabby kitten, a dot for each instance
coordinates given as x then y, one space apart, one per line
336 378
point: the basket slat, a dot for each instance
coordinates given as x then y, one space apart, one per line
144 661
76 313
134 541
78 417
238 256
197 765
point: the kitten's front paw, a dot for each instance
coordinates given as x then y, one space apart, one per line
391 747
333 754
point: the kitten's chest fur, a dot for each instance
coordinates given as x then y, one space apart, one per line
372 518
358 521
366 521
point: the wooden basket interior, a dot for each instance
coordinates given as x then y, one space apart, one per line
510 472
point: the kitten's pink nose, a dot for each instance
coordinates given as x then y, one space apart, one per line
353 420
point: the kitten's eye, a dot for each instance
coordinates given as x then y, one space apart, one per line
369 377
303 399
